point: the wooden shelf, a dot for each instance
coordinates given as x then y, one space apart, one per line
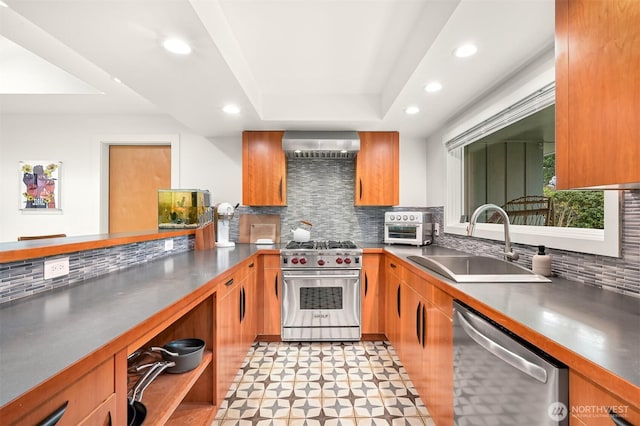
192 413
166 392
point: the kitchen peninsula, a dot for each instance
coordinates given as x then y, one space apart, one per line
63 341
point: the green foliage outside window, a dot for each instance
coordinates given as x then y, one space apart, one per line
573 209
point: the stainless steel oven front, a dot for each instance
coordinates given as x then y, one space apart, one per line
321 305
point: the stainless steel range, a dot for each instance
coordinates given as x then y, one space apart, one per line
321 291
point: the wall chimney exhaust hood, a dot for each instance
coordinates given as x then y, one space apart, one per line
321 144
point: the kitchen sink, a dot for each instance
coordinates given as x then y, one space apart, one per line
477 269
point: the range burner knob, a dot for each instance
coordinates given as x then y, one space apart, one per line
339 261
347 260
321 262
294 260
303 260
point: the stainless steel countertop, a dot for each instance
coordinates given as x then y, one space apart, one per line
42 335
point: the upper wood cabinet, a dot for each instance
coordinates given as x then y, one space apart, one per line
264 169
597 94
377 169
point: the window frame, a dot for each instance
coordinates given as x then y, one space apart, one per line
604 242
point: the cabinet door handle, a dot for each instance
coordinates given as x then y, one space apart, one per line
393 265
251 265
228 283
242 304
276 285
424 326
54 417
360 189
398 300
616 419
280 189
366 284
418 322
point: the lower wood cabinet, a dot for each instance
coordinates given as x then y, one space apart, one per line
370 288
589 404
270 286
89 399
419 323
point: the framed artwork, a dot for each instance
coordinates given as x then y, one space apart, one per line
40 185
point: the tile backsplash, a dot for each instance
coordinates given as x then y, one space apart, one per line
26 278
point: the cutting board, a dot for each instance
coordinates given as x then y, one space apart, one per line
249 234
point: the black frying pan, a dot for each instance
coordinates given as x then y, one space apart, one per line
185 353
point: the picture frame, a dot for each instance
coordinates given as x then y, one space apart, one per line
39 186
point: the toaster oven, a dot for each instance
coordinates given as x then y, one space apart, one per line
411 228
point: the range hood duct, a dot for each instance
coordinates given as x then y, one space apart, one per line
321 144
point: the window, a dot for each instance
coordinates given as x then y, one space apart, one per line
509 160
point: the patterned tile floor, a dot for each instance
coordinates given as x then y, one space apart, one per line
360 383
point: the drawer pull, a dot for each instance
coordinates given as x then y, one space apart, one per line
228 283
54 417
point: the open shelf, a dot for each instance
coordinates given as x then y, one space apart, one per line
165 394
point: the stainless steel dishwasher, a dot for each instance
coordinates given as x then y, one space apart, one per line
499 379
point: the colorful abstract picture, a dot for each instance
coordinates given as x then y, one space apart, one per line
40 185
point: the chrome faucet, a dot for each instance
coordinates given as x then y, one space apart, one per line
508 253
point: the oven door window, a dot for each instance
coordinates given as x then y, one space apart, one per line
321 299
402 232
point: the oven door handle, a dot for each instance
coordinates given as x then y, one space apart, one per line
321 276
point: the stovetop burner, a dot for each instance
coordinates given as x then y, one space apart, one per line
321 245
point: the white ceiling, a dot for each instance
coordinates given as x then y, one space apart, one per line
288 64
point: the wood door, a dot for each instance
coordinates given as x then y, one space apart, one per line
136 172
369 290
584 394
410 346
228 340
264 169
250 308
377 169
271 289
438 365
597 93
392 308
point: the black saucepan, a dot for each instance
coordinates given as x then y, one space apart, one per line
185 353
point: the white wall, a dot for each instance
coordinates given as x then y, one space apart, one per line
72 139
213 164
413 173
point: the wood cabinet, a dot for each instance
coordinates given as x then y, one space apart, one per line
264 169
249 307
370 288
588 404
597 87
420 317
236 323
377 169
88 399
271 290
392 301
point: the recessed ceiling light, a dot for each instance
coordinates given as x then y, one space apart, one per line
231 109
117 80
465 50
412 110
3 4
177 46
432 87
